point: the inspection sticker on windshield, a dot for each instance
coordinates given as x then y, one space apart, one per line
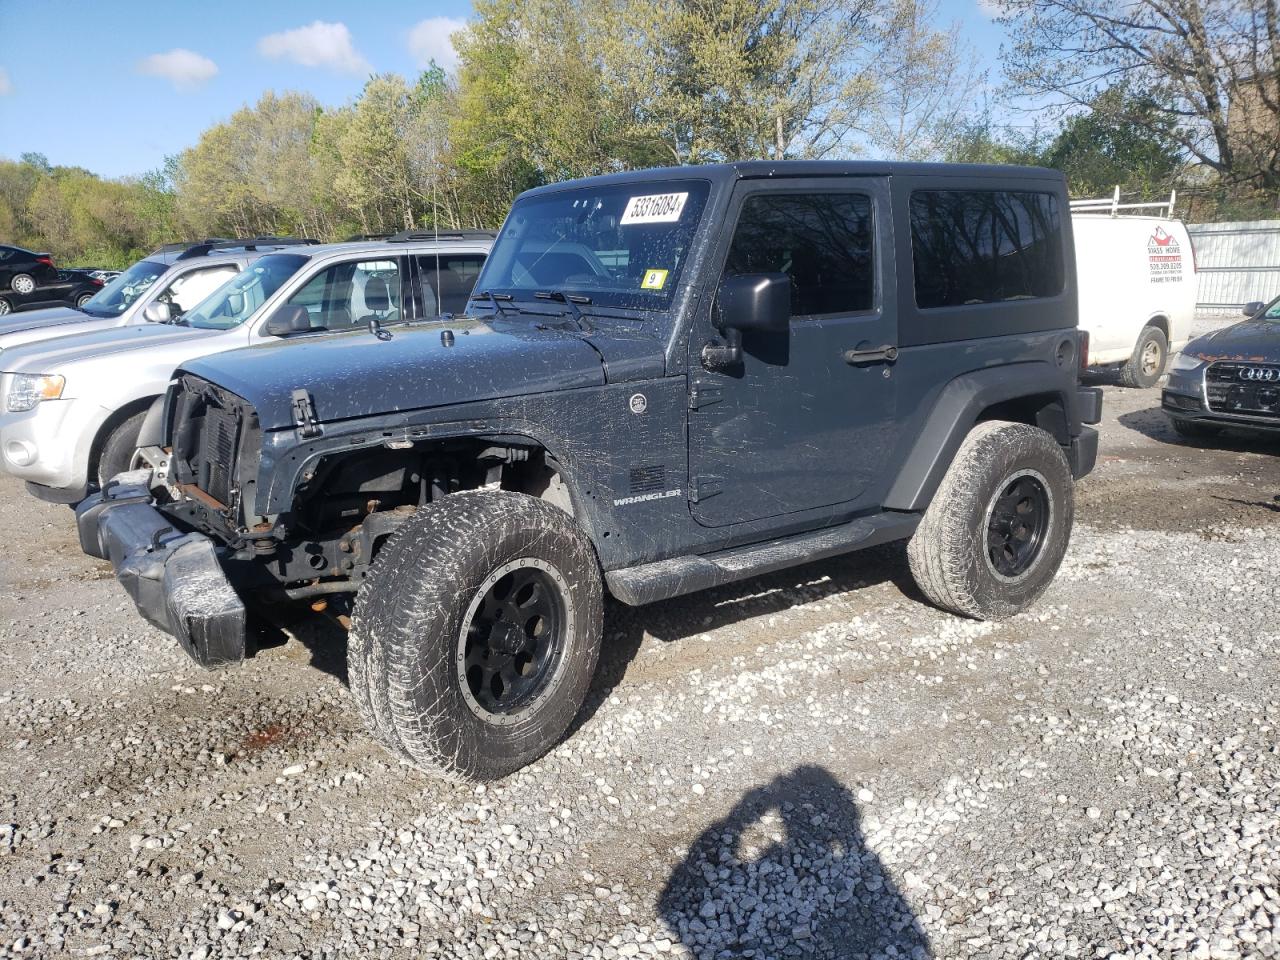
654 280
655 208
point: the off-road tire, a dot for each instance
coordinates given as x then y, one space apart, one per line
949 551
118 448
22 284
1150 356
5 306
402 651
1192 430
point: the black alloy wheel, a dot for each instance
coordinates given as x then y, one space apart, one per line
1019 518
514 637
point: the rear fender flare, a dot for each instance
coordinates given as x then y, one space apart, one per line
955 412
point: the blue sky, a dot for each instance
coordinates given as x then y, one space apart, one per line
117 86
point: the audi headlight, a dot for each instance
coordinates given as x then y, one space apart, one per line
1182 362
28 389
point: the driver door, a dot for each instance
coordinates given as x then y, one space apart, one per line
798 425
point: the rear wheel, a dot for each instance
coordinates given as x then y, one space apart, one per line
476 634
1145 368
22 283
119 447
996 531
83 299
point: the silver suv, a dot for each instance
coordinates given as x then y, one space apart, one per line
71 408
160 288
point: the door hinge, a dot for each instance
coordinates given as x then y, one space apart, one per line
703 488
701 395
304 414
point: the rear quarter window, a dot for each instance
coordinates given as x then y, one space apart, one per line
985 246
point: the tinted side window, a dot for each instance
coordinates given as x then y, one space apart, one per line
447 281
984 247
823 242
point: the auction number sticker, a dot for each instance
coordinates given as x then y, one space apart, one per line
655 208
654 280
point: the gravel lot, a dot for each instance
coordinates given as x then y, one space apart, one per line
813 764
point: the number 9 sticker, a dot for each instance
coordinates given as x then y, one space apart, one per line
654 280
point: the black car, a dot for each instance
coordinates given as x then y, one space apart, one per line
1228 378
665 381
29 281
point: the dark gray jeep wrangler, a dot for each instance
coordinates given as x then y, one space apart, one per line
664 381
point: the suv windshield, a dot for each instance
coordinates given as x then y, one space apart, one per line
235 301
621 245
117 296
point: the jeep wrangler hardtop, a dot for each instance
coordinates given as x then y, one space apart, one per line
665 380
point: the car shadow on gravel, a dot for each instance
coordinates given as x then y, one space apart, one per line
759 597
1154 424
788 873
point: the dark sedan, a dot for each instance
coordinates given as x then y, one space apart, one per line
29 281
1228 378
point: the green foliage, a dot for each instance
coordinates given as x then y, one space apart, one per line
552 89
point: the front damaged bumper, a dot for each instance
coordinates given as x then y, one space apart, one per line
174 578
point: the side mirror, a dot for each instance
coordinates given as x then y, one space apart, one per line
157 312
235 303
1253 308
288 319
753 301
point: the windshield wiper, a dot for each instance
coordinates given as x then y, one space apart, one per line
495 298
570 300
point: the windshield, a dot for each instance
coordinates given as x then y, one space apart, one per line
1272 312
117 296
235 301
621 245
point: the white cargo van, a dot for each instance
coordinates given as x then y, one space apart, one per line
1137 278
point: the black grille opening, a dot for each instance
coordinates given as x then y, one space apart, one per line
1249 389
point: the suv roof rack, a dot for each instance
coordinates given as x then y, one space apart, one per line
405 236
185 244
359 237
1112 206
212 245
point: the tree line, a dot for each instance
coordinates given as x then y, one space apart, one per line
1182 94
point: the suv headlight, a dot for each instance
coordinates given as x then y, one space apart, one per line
28 389
1182 362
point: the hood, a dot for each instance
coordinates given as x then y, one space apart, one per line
36 319
51 354
356 375
1257 340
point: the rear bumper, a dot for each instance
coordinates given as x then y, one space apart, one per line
1083 453
175 579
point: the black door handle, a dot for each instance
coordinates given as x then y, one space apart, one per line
886 354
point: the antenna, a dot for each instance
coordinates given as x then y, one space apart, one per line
435 229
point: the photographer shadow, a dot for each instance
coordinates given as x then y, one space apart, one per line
787 873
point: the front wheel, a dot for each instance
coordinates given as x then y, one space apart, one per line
5 306
475 637
1146 366
118 448
997 529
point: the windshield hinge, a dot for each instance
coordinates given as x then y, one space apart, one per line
304 415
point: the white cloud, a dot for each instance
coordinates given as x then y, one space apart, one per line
991 8
430 39
6 86
185 69
318 45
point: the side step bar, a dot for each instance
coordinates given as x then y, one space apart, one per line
663 579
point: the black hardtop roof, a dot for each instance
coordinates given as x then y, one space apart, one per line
721 173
